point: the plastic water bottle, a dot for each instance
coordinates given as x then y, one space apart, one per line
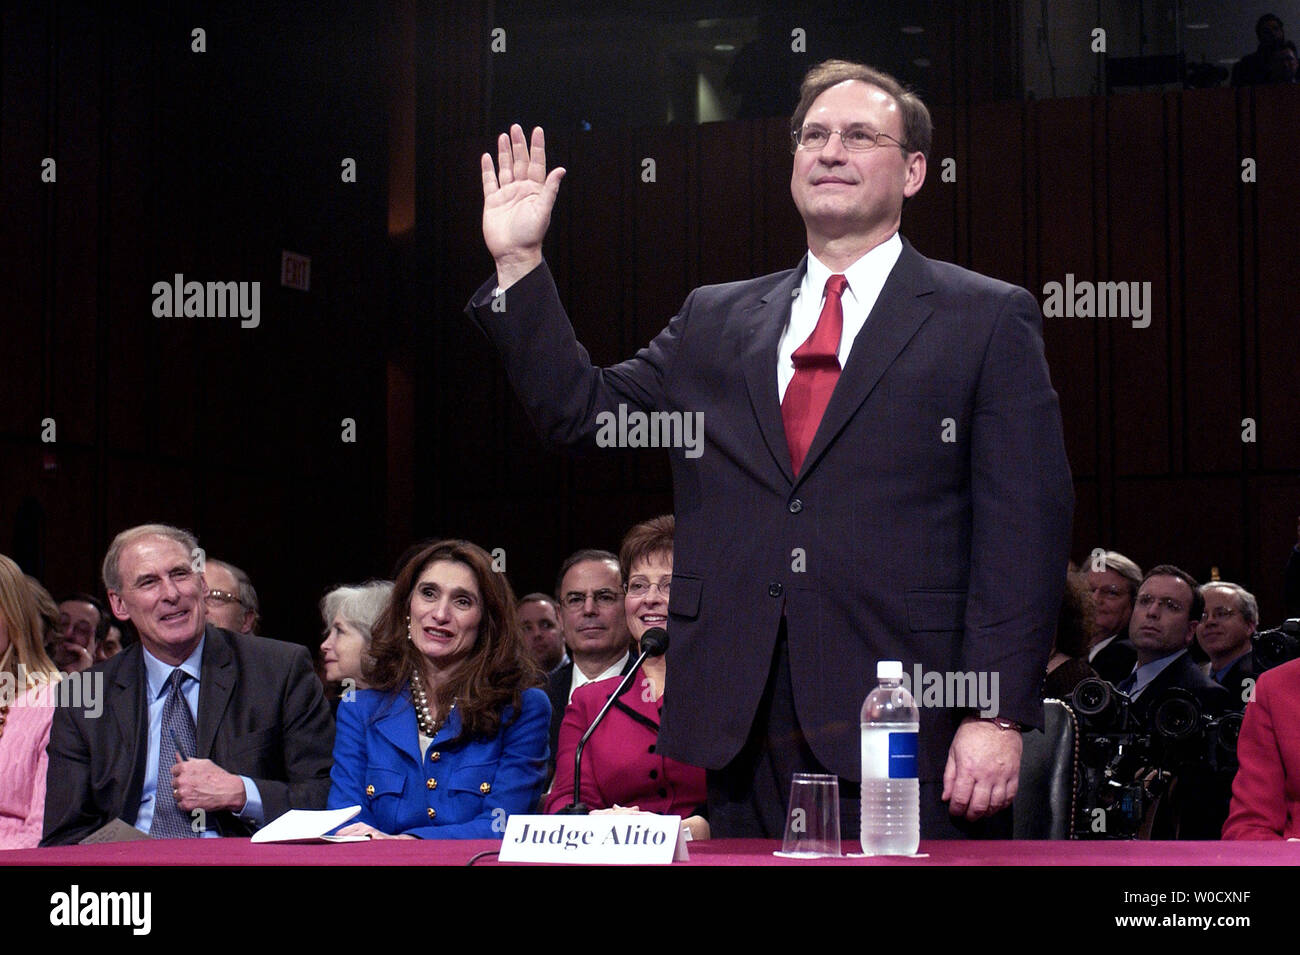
891 795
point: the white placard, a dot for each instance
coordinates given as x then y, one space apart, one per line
616 839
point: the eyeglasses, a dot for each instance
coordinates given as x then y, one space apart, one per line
1146 600
215 598
639 586
576 600
1110 591
1223 613
855 139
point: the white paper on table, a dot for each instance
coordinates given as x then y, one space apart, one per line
309 825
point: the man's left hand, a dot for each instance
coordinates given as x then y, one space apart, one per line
983 769
202 784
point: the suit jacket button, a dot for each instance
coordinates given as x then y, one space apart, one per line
431 783
796 506
434 757
774 590
485 788
370 790
432 812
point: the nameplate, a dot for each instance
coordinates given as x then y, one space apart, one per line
595 840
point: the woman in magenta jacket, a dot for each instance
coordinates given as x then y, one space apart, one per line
621 768
1266 789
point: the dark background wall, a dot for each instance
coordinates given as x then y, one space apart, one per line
210 164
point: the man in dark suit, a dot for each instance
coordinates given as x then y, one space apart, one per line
1168 605
1165 615
1226 634
893 488
1113 580
589 588
206 732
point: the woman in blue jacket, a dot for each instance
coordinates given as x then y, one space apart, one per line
452 737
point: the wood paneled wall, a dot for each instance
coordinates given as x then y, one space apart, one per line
210 164
1135 188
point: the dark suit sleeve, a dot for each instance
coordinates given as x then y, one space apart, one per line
1022 502
518 780
307 739
560 389
1259 788
70 813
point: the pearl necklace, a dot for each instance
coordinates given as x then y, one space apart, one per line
423 714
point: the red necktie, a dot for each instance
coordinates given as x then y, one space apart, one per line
816 369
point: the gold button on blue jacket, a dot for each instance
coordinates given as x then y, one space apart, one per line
461 791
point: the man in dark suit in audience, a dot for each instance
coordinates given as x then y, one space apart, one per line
1113 580
1164 620
1165 616
589 588
206 732
1225 634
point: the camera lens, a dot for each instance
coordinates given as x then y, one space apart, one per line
1091 696
1176 718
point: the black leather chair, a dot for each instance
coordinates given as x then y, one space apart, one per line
1049 773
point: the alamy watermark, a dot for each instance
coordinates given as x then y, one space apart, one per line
84 690
954 689
76 907
181 299
1098 300
655 429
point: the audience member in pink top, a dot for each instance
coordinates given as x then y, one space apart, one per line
26 710
622 770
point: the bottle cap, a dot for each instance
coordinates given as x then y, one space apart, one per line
889 670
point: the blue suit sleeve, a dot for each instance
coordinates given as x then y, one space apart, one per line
520 774
351 757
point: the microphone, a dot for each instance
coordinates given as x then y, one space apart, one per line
654 643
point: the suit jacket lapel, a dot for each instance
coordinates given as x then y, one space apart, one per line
899 312
215 688
762 330
131 717
396 723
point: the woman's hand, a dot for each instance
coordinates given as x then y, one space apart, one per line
362 829
698 827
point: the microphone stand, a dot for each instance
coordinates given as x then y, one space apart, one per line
654 642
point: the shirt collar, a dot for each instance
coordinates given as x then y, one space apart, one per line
870 270
1217 675
157 672
1149 671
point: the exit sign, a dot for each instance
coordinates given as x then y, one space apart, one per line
295 270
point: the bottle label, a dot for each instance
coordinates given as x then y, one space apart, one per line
889 754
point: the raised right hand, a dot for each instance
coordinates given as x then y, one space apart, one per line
517 200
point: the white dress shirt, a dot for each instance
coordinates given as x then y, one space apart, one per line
866 277
580 678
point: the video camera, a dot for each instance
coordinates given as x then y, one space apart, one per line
1279 645
1129 754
